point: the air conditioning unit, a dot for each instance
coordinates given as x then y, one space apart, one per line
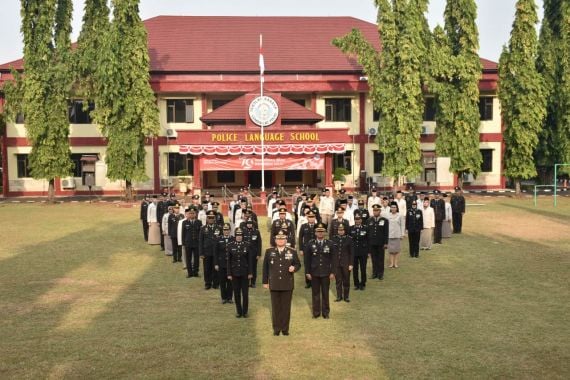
372 131
68 183
424 130
171 132
166 182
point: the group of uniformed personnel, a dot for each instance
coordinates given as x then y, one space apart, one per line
230 251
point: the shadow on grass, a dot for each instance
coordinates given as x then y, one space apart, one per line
101 303
555 216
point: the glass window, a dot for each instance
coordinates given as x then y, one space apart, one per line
20 118
178 162
487 164
378 161
338 109
429 109
226 176
217 103
375 115
180 111
293 176
23 166
486 108
343 160
76 158
78 114
301 102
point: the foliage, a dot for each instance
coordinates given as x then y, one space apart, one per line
125 104
522 94
455 73
340 174
395 77
554 65
183 173
46 26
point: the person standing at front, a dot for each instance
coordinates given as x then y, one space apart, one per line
279 265
190 236
438 206
359 235
396 234
252 236
458 210
343 260
414 225
377 241
240 259
306 234
320 253
326 207
429 224
208 239
221 263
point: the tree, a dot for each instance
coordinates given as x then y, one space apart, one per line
125 105
522 95
554 64
455 72
395 77
46 26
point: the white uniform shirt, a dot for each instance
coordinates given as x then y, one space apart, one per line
151 213
373 201
429 217
326 206
402 206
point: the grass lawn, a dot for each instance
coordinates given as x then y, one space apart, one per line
83 296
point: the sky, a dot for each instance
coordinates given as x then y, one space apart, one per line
495 17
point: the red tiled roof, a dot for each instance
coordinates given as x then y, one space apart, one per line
231 44
234 111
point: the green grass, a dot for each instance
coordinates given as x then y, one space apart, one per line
82 296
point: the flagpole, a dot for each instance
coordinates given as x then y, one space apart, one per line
262 137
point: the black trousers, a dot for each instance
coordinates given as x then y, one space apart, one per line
414 242
378 258
192 261
176 249
241 293
161 236
457 222
359 270
281 310
305 263
254 271
437 231
210 274
320 290
342 279
225 284
145 229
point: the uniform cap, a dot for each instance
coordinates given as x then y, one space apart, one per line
320 227
376 207
342 191
211 213
207 193
249 221
226 227
437 192
281 235
191 208
238 232
457 188
154 196
361 202
282 210
340 227
311 214
357 216
374 190
195 196
340 209
164 194
343 201
215 204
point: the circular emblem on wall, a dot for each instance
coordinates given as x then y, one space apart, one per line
263 111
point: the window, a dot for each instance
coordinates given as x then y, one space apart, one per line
301 102
486 108
343 160
378 161
338 109
177 162
20 118
429 109
293 176
375 115
180 111
23 166
76 158
226 176
217 103
487 164
77 113
429 162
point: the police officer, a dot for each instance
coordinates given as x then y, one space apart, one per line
209 235
219 217
414 225
320 252
341 198
377 241
283 224
343 263
190 237
252 236
279 265
221 263
438 206
457 210
362 211
338 220
359 235
161 209
307 233
144 218
239 272
173 220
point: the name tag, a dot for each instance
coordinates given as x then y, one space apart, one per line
254 237
288 256
418 216
362 233
326 249
381 223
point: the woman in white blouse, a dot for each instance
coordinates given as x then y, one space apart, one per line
396 229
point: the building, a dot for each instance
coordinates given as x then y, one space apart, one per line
205 73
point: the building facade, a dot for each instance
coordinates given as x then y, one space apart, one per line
205 74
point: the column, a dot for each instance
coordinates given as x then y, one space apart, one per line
328 170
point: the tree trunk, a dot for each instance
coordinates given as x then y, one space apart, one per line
460 180
517 187
128 191
51 191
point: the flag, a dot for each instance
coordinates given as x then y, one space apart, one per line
261 61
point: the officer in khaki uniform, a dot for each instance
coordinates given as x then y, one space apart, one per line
279 265
320 252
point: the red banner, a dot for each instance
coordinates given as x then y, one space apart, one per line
312 162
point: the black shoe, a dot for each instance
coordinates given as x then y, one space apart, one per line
373 277
230 301
326 316
338 299
252 285
381 278
238 315
286 333
224 302
188 276
307 286
276 333
208 287
346 299
244 315
215 287
357 287
316 316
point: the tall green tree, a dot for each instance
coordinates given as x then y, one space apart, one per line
522 95
125 104
554 65
46 27
395 77
456 70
